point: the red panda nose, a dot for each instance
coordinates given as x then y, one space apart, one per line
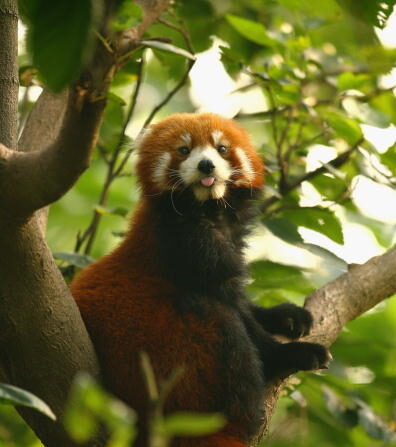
206 166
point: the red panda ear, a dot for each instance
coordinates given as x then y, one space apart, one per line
142 136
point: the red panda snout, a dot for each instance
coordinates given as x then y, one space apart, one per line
207 172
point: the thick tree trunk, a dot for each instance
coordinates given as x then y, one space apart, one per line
43 339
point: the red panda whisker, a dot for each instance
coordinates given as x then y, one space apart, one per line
171 196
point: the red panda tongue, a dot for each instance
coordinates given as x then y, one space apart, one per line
207 181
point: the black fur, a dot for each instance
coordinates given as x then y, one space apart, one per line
201 250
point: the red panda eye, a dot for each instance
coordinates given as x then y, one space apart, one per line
221 149
184 150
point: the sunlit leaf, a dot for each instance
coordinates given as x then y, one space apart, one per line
318 219
386 103
329 186
353 81
388 158
344 127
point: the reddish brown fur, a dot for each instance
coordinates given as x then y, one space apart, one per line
128 308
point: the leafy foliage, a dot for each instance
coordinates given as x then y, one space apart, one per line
59 59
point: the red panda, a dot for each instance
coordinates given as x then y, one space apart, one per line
174 288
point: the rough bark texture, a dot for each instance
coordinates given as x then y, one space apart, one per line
43 340
9 72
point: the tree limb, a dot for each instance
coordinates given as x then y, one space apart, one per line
34 179
339 302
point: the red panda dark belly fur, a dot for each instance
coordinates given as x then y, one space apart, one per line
174 289
130 305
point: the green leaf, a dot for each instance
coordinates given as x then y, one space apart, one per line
59 35
192 424
75 259
168 47
89 405
353 81
374 12
271 275
127 16
288 93
253 31
388 158
329 186
345 127
112 123
13 395
385 103
318 219
284 229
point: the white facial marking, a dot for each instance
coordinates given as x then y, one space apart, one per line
160 169
217 136
186 137
191 175
246 166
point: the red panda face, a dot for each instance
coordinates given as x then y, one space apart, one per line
204 152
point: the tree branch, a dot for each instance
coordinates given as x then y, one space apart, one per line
34 179
339 302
